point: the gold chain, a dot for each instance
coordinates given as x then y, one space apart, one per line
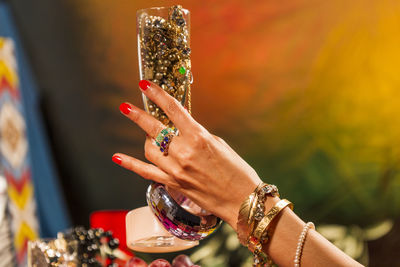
189 102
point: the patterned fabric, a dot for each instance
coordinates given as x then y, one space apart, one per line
15 160
6 244
51 207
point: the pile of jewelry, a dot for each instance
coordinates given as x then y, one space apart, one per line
76 247
165 56
94 242
53 252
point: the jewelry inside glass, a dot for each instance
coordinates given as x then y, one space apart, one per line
164 58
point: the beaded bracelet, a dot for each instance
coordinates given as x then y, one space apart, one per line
262 191
300 243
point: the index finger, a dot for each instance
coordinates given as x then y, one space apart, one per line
144 120
174 110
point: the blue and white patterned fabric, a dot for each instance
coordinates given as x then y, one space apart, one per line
25 154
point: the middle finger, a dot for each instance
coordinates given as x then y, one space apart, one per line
171 106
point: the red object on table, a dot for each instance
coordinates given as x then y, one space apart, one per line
114 221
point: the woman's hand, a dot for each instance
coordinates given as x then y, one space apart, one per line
209 172
199 165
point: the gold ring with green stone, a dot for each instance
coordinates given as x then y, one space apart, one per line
164 132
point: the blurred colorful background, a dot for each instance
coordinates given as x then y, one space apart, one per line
308 92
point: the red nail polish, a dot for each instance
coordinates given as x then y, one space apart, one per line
117 159
125 108
143 84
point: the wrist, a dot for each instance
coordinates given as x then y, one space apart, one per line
256 217
242 192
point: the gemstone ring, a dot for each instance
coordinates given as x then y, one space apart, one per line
164 138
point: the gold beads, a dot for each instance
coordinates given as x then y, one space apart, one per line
165 56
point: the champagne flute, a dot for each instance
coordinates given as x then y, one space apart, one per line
164 58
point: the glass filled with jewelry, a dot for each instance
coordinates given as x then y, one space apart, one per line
164 58
164 54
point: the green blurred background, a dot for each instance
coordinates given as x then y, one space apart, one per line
308 92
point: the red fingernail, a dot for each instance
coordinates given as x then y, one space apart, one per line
125 108
117 159
143 84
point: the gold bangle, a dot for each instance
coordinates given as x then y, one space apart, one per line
252 210
259 235
253 207
243 229
262 227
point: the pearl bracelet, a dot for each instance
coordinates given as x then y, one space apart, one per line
300 243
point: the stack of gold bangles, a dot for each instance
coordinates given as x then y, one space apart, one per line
254 224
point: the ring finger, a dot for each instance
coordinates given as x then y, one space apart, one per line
153 154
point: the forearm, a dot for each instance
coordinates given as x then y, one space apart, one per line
317 251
